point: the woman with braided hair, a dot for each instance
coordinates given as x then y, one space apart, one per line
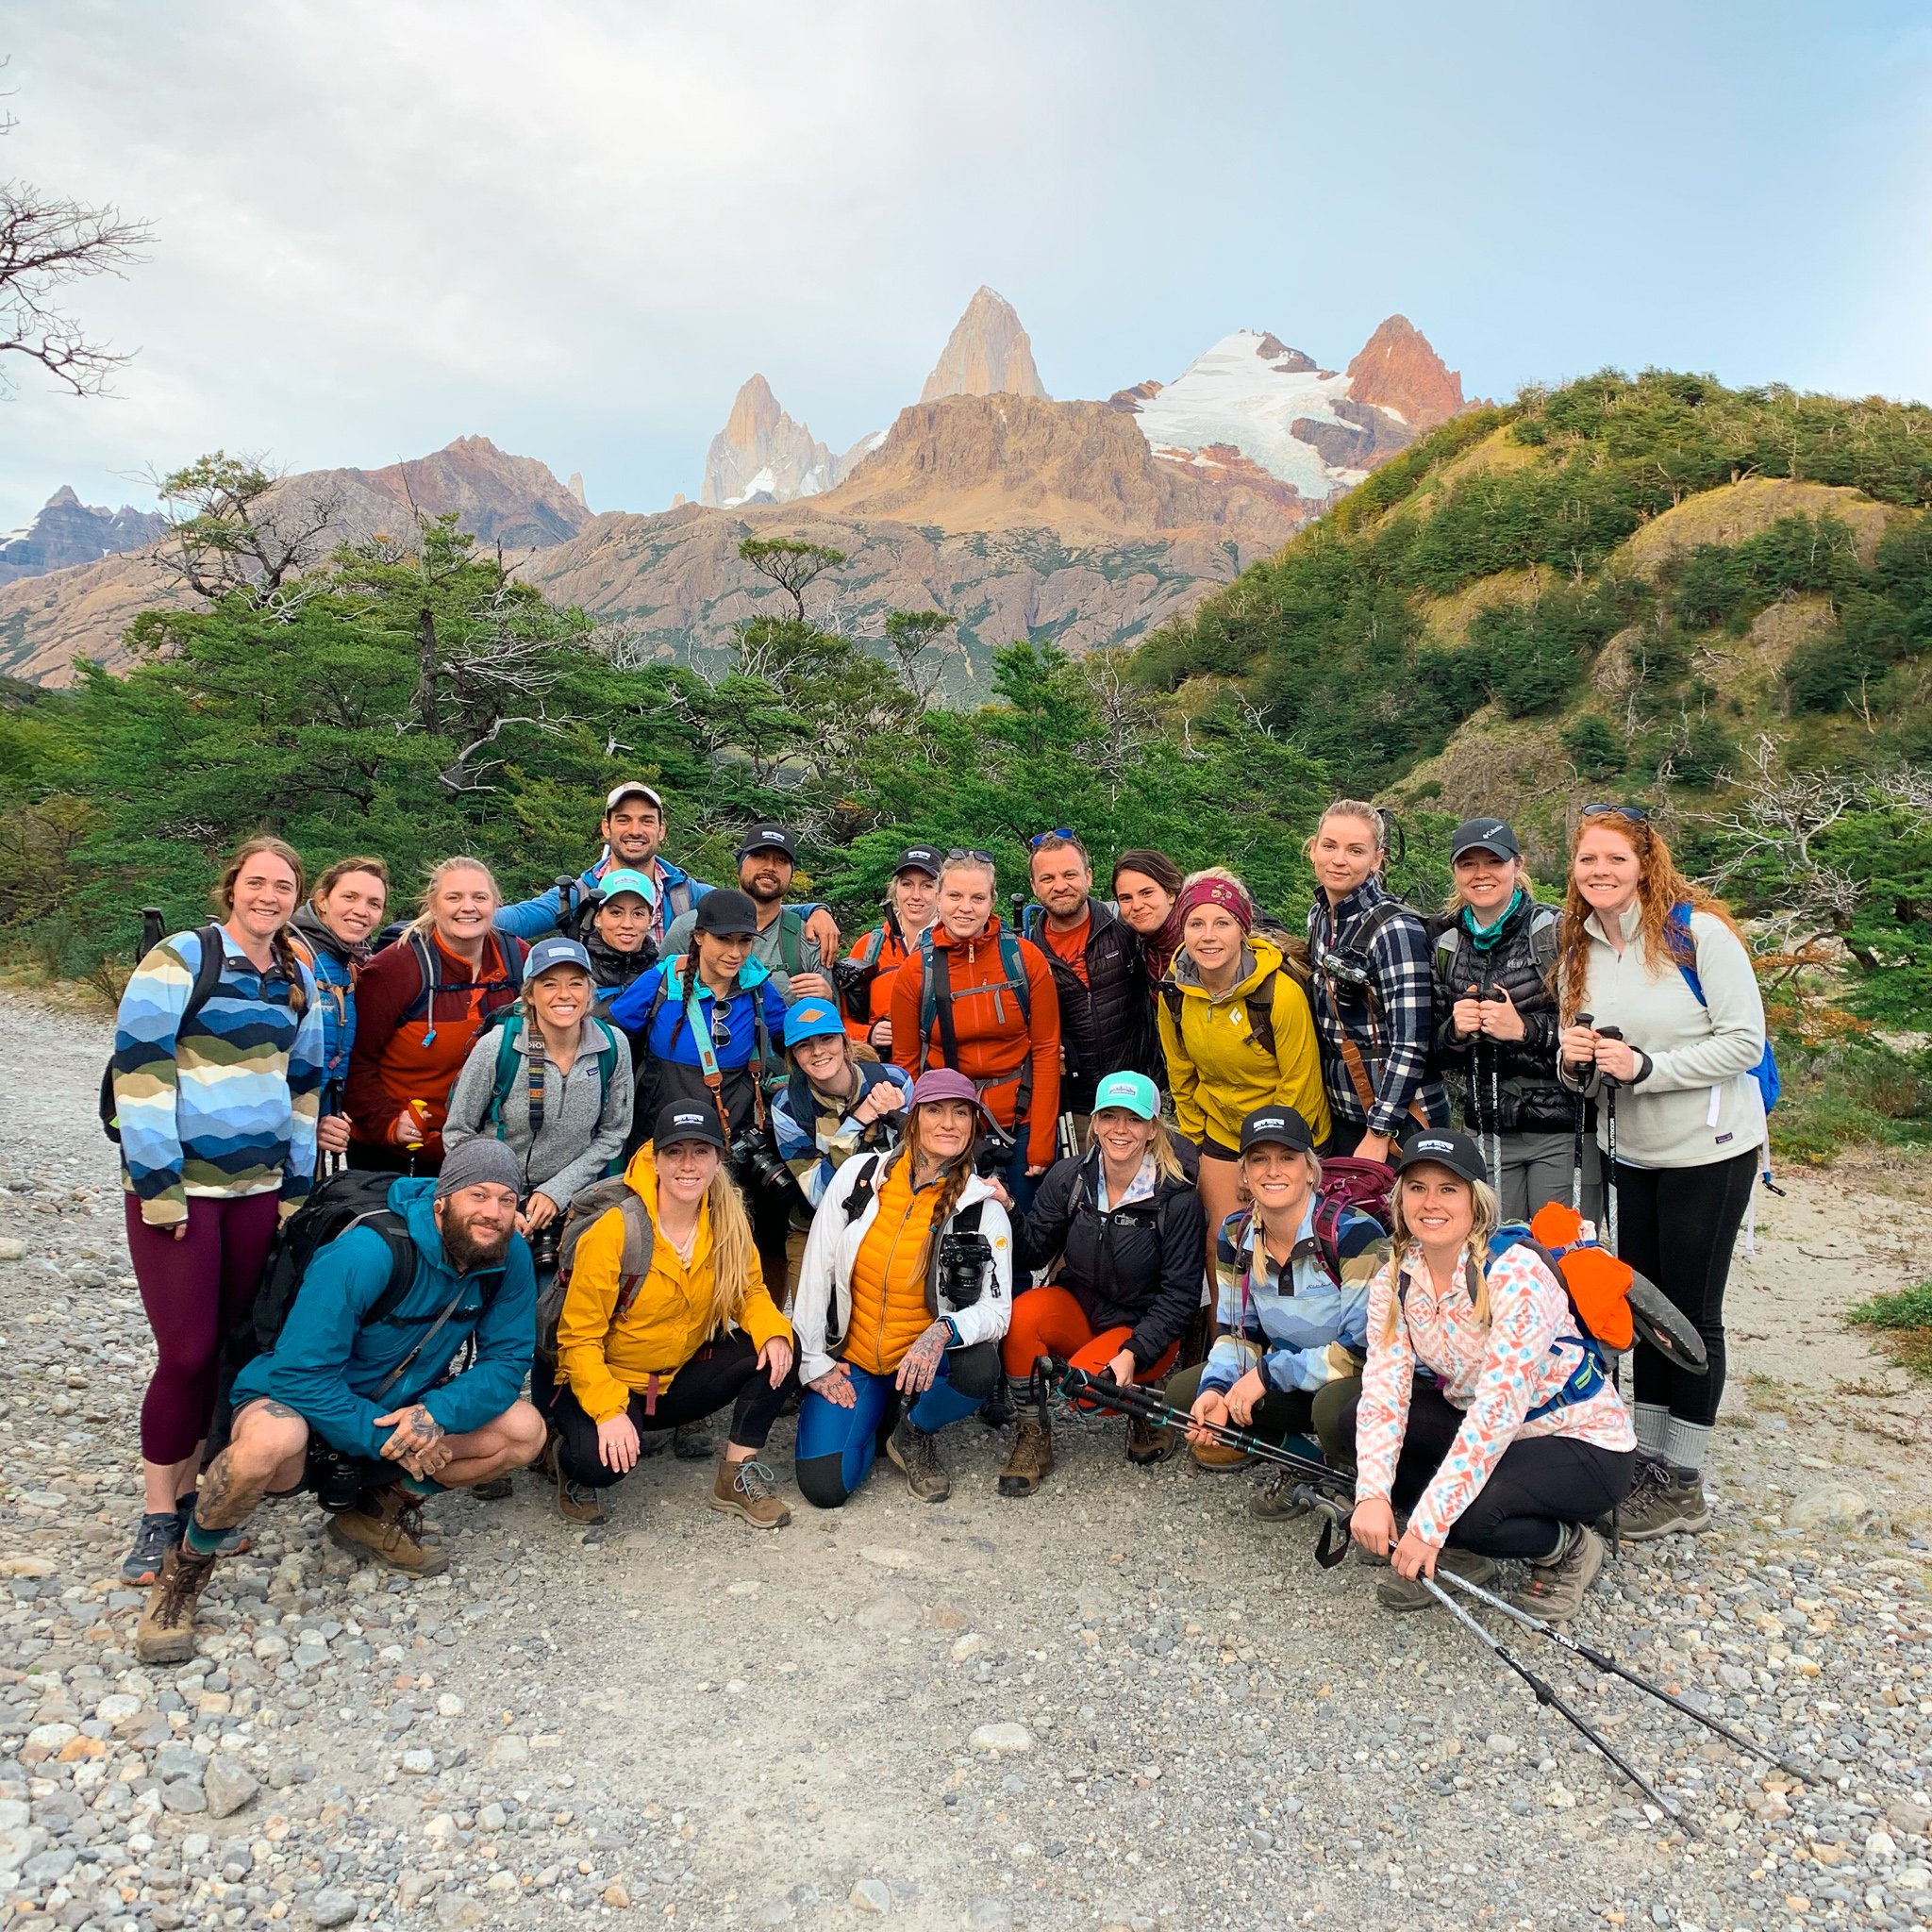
217 1075
904 1295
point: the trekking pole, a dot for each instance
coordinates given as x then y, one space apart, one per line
1609 1092
1610 1667
1547 1696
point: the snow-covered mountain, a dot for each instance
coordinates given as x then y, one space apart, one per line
68 531
762 456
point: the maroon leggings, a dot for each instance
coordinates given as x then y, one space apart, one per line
195 1290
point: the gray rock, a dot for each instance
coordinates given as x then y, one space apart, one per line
871 1895
989 1915
1001 1738
1837 1504
893 1613
184 1797
227 1786
334 1905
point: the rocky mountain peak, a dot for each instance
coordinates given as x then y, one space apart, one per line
988 353
762 456
1398 369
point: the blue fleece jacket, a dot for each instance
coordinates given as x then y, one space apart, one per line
327 1362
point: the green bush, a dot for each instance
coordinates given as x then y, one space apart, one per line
1594 749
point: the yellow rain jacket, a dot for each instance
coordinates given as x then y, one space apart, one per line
1216 1068
666 1326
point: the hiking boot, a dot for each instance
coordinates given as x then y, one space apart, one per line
918 1454
166 1633
1273 1500
692 1442
388 1525
1032 1458
997 1410
160 1531
1662 1502
235 1542
748 1489
493 1488
1554 1591
1408 1592
579 1502
1218 1456
1148 1442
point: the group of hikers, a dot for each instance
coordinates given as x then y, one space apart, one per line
528 1183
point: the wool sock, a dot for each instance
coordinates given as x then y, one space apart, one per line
420 1485
1685 1444
199 1542
1652 1419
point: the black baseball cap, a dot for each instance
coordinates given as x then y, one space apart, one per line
768 839
918 859
726 913
1277 1126
1485 835
1445 1147
687 1120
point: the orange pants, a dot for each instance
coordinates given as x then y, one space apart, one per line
1048 1321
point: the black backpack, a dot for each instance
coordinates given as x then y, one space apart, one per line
207 976
350 1199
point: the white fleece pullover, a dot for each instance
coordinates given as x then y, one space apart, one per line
1699 1102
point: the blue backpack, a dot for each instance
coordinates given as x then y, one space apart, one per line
1765 1073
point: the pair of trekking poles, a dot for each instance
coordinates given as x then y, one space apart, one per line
1330 1494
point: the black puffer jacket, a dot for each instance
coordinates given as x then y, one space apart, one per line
1106 1025
1503 1086
1136 1267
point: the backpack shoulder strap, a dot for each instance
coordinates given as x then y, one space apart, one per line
1260 1006
395 1231
1679 922
792 940
634 1264
1546 928
1447 945
936 1002
1013 963
207 970
1171 999
858 1196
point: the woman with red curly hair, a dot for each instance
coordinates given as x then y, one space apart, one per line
1660 1000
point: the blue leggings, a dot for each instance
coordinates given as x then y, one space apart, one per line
837 1446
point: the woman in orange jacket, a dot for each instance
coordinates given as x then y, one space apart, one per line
698 1331
981 1000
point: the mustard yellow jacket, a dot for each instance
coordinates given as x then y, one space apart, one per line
1216 1068
667 1324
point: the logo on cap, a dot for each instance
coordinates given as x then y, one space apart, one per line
1436 1146
1270 1119
688 1120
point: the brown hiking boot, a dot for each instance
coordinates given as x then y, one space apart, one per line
493 1489
1028 1466
918 1454
166 1634
1148 1442
1218 1457
388 1526
1554 1591
746 1488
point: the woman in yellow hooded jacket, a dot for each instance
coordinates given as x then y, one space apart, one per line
1237 1034
697 1330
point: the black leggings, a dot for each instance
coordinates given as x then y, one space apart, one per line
721 1371
1537 1483
1678 1226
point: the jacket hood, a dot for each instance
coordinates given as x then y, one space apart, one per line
1261 957
308 926
753 974
414 1199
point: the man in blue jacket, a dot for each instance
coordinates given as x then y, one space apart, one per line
366 1404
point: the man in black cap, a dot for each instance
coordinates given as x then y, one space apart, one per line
912 902
766 859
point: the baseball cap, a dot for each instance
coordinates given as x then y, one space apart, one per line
813 1019
550 953
1134 1092
943 1083
1445 1147
1485 835
632 788
1277 1126
918 859
727 914
767 838
621 879
687 1120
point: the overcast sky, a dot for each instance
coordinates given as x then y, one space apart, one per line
576 228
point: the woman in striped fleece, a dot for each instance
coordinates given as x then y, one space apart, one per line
216 1110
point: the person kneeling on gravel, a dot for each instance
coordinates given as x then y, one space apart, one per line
1485 1411
698 1331
358 1408
903 1297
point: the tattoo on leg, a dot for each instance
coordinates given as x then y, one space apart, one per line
271 1407
223 1501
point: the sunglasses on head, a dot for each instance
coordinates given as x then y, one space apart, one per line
1039 839
1635 813
971 852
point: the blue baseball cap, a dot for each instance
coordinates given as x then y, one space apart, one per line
622 878
547 953
813 1019
1135 1093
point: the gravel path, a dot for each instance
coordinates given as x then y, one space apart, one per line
1123 1703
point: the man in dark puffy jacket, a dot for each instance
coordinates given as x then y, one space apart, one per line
1097 967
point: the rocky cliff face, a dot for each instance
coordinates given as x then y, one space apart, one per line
988 353
1398 369
762 456
68 531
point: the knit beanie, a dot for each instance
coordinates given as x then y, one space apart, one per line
478 1162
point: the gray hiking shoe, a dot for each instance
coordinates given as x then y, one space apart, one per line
1274 1499
1662 1502
692 1442
918 1454
160 1531
1402 1593
1554 1591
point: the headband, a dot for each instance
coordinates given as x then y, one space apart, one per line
1230 897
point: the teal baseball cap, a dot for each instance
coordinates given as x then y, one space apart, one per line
621 879
1134 1092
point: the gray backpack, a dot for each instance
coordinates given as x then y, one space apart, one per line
588 1207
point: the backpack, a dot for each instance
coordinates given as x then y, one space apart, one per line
936 992
1347 1184
504 1023
207 976
1259 1001
347 1200
588 1207
1765 1073
1545 923
510 950
859 1198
